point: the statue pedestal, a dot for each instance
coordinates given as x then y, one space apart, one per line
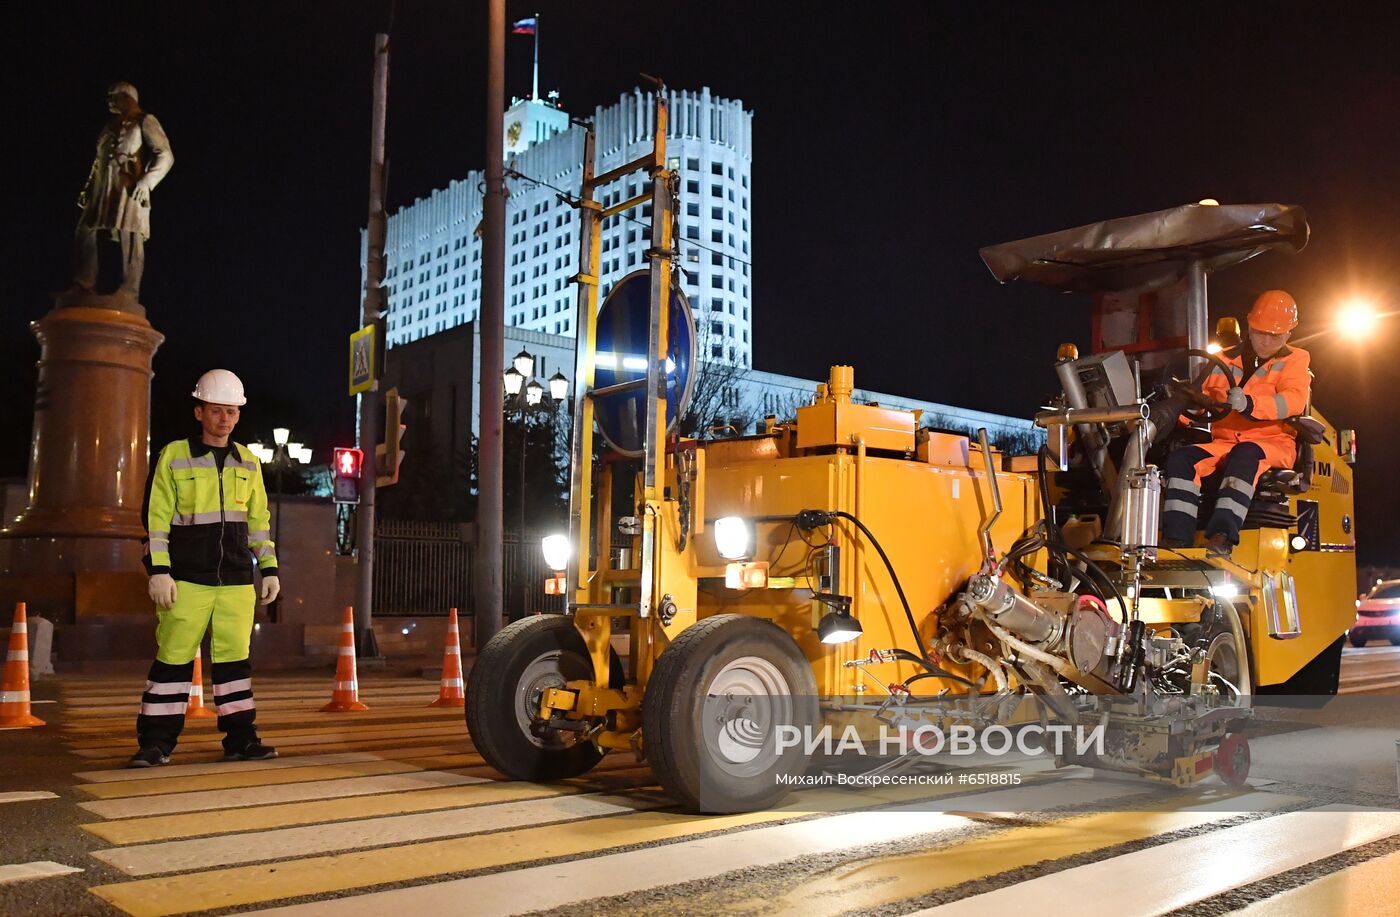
77 547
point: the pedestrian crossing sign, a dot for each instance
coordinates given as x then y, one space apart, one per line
362 360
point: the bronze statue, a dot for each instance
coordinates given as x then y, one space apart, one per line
133 155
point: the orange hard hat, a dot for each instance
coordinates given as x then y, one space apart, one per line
1274 312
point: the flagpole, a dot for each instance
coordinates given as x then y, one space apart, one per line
535 87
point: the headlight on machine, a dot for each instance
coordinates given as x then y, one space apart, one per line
556 551
732 538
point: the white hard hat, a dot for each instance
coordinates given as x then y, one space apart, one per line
219 386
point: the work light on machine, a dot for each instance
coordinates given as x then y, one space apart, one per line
556 551
837 626
732 538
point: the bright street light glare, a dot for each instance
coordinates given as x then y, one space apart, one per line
1357 319
556 551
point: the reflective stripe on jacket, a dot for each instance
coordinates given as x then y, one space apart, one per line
203 526
1279 388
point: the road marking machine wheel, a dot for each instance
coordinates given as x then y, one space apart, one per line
507 681
1232 759
715 703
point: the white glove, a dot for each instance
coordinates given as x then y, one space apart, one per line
271 587
1237 398
162 590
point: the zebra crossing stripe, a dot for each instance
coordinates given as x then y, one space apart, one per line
27 796
242 885
291 717
1372 887
124 774
560 884
885 880
346 733
233 849
42 869
289 735
266 795
225 781
383 745
1149 882
199 824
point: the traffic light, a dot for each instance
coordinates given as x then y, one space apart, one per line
387 455
345 473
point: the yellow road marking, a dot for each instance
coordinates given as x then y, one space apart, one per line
281 792
294 732
212 751
1148 882
123 774
888 879
228 850
198 824
291 738
318 875
134 788
1372 887
276 717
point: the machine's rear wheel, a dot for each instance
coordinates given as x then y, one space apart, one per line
1358 638
504 689
1232 759
713 708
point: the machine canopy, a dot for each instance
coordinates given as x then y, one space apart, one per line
1151 250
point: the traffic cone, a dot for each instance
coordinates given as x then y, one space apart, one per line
451 694
196 709
14 686
346 695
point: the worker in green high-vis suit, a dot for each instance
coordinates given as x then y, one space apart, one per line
207 526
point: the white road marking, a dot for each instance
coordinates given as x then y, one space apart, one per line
206 800
43 869
1149 882
688 860
234 849
27 795
221 767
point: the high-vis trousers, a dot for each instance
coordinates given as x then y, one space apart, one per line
227 611
1241 463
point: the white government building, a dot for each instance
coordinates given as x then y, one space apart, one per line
433 252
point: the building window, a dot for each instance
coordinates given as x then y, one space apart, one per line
717 282
716 191
716 258
693 164
716 235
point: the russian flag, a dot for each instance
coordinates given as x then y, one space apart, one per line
523 27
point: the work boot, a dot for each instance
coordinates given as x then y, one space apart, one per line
253 751
150 756
1218 545
1176 543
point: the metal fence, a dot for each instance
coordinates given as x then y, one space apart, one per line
424 568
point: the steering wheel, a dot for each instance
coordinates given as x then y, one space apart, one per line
1206 409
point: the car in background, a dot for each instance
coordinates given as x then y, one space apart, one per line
1378 615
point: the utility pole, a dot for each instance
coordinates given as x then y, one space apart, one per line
371 401
490 524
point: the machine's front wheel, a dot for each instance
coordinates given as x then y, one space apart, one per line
715 706
1358 638
504 690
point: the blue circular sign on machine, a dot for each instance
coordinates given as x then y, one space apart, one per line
621 356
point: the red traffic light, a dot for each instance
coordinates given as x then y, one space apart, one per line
348 462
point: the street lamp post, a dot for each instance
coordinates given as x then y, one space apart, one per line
526 397
280 455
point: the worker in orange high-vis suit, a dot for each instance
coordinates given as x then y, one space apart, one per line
1271 382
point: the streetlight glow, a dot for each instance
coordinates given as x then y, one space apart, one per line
524 364
533 393
1357 319
558 387
514 380
280 435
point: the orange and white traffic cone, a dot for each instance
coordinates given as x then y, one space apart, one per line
196 709
14 686
451 693
346 695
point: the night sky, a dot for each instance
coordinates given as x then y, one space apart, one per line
889 147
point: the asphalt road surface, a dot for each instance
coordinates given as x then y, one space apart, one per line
392 812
